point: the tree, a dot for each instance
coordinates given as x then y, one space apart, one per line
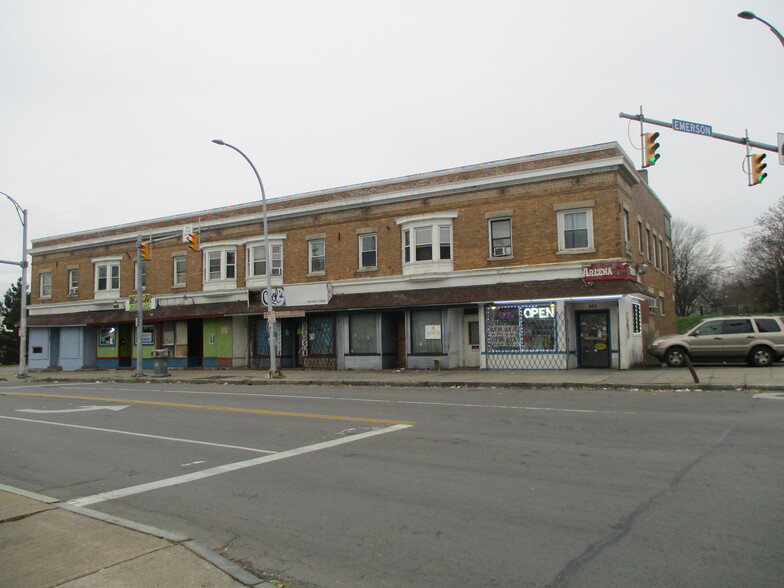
697 266
10 313
761 260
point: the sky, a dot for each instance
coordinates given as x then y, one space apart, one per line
108 107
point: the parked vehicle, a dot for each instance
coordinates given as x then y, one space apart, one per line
759 340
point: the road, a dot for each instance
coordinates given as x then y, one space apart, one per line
323 486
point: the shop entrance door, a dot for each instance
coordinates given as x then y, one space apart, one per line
594 338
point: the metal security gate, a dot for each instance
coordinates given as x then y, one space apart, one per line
319 332
526 337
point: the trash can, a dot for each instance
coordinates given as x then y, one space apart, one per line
160 363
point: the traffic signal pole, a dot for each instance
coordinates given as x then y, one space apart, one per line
740 140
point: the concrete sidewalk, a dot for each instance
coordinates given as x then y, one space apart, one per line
711 376
47 543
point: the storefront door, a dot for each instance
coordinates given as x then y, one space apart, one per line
594 338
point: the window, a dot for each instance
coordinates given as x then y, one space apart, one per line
46 285
107 276
521 328
144 274
737 326
220 264
257 255
316 256
500 237
639 236
426 331
659 253
636 319
648 243
362 333
178 270
667 260
768 325
423 239
575 229
367 251
427 243
709 328
654 252
626 238
73 281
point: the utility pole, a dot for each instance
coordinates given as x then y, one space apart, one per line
139 310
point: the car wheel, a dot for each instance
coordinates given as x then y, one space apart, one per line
762 357
675 357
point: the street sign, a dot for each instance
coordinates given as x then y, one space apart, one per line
781 147
689 127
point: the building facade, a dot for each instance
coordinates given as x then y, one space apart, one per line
552 261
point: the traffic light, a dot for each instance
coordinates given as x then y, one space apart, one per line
757 165
651 146
193 241
144 251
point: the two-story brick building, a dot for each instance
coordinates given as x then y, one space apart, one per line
550 261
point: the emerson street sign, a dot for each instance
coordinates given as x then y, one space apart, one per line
691 127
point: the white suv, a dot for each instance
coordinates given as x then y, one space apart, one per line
757 339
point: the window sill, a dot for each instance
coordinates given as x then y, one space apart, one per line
311 274
367 269
576 251
178 286
500 258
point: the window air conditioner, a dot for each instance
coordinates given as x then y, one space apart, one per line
499 251
73 291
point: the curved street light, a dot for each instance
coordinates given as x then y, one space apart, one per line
273 369
22 214
748 15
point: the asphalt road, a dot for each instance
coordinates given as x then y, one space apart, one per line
383 487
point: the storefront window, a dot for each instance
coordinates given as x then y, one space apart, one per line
426 331
362 333
521 328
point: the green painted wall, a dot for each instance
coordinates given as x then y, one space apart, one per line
217 337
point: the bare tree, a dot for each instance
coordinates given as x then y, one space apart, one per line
761 260
697 265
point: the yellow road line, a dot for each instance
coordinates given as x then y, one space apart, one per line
208 407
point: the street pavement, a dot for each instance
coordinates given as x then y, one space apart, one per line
44 542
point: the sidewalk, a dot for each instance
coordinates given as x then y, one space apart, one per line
711 377
47 543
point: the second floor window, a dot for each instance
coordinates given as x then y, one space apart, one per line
429 243
178 270
46 284
257 260
73 282
575 229
500 237
316 256
367 251
144 274
107 277
220 265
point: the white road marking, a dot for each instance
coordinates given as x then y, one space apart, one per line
230 467
132 434
80 409
770 395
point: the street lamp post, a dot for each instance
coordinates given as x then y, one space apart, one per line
748 15
22 214
273 369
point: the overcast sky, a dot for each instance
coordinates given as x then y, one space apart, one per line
107 108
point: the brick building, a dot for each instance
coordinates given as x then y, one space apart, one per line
551 261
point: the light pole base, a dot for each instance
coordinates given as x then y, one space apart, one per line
274 375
